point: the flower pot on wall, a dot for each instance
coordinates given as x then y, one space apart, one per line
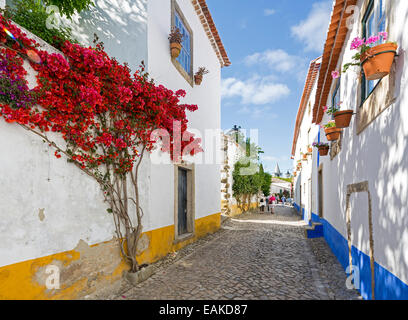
332 134
378 60
198 79
175 49
324 151
343 118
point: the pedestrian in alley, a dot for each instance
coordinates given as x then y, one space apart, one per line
283 200
267 203
262 201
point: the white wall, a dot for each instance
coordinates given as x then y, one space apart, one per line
377 155
208 98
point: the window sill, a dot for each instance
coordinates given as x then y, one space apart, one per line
183 237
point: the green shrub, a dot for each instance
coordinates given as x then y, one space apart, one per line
69 7
32 15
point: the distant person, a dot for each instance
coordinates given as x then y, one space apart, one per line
283 200
273 199
262 204
267 203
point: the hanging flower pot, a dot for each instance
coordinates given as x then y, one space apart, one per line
198 77
175 38
310 150
324 151
333 133
304 157
343 118
377 61
175 49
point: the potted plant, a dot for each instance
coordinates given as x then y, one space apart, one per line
341 118
175 38
309 150
198 77
322 147
332 132
375 60
304 157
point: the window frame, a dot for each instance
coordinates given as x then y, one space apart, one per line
371 10
188 76
335 93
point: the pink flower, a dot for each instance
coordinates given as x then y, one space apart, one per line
335 74
384 35
357 43
325 108
372 39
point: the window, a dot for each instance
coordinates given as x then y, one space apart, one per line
184 62
336 95
185 55
373 22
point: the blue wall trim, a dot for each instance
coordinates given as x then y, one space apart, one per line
387 285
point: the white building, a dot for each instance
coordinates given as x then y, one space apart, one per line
359 191
53 213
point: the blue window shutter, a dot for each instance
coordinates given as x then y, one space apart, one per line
185 55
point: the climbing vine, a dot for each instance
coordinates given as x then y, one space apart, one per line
106 116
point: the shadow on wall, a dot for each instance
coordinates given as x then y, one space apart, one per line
120 24
378 155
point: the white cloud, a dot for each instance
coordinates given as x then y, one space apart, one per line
257 112
278 60
255 90
269 12
313 31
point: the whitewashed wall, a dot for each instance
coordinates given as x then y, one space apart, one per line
377 155
308 133
208 98
48 205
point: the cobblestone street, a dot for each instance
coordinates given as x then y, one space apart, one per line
255 256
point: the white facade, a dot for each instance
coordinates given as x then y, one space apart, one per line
364 185
48 206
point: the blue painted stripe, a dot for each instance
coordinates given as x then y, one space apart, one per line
387 285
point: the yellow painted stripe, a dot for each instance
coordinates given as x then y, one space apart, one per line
82 275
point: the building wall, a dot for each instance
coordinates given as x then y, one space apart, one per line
371 171
206 118
53 214
233 152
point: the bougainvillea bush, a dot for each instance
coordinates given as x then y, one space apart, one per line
106 116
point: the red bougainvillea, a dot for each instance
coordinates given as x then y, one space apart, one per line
107 117
102 111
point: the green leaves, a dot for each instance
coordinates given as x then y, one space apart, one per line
33 16
70 7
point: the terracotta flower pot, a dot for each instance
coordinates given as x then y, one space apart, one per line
378 60
324 151
198 79
333 134
175 48
343 118
310 150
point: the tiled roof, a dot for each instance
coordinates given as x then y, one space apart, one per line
336 37
207 21
310 81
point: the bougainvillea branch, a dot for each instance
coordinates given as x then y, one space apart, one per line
106 116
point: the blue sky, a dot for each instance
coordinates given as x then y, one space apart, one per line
270 44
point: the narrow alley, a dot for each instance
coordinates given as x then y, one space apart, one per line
255 256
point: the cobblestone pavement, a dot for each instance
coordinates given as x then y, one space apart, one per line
255 256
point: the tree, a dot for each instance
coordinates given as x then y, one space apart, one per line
266 181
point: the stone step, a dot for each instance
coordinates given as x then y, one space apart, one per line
314 231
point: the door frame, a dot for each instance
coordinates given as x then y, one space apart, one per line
361 187
320 190
190 168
